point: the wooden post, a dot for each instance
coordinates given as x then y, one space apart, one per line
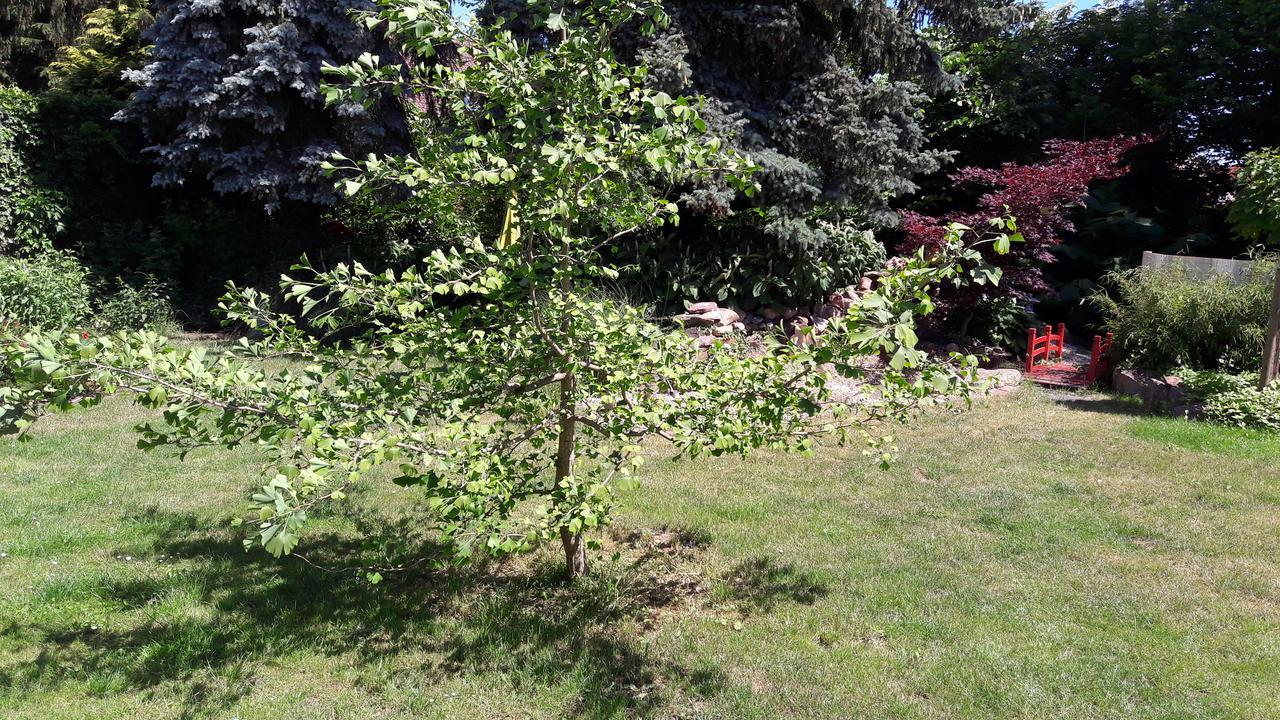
1271 347
1031 349
1095 360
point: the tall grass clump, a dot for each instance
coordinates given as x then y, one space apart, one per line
1165 318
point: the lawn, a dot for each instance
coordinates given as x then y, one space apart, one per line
1029 559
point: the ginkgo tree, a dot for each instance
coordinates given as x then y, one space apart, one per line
497 376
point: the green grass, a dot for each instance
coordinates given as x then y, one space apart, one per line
1026 560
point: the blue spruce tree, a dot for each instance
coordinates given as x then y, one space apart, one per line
231 94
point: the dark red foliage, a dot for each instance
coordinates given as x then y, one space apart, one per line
1038 196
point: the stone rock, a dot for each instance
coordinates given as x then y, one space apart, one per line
726 316
826 311
689 320
702 307
711 318
1003 377
739 327
866 284
769 314
1155 391
1126 382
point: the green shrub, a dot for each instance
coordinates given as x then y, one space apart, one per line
30 214
1001 321
1234 399
49 290
665 269
1163 318
1204 384
136 308
1246 407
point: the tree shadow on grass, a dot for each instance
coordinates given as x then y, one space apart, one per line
1101 403
762 583
519 622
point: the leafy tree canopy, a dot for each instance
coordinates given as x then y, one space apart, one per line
95 62
31 31
1256 210
824 95
1204 71
1200 77
496 375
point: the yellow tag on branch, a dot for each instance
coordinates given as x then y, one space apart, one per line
510 234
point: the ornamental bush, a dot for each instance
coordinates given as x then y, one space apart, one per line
1246 407
1163 318
1038 195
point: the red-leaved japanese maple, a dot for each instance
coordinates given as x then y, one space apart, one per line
1038 196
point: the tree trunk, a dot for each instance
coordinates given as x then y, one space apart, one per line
1271 347
575 552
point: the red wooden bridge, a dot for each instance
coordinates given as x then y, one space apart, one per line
1046 367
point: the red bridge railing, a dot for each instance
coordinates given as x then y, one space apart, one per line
1046 347
1100 358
